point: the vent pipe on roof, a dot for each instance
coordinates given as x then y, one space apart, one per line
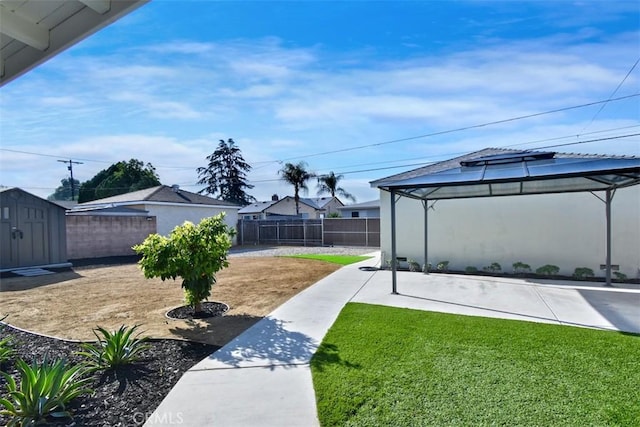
275 198
175 188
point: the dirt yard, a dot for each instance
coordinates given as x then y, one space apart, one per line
70 304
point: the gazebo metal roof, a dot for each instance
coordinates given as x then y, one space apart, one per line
492 172
520 173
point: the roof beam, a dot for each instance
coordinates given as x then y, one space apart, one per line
21 29
100 6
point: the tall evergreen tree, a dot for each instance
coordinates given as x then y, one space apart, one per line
225 176
119 178
329 184
296 175
64 191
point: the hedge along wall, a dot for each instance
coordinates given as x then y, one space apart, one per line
95 236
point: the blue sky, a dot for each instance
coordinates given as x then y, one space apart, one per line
291 81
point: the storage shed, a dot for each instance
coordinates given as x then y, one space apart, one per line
32 231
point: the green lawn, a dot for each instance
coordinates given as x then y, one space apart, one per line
399 367
335 259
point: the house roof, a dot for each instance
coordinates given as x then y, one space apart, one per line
372 204
107 210
161 194
33 31
499 172
257 207
317 203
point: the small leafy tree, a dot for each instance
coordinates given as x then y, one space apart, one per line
193 252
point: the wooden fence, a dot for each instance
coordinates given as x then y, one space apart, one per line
310 232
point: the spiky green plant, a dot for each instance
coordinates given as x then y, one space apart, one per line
6 349
43 391
114 348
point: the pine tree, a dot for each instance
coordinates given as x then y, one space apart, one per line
225 176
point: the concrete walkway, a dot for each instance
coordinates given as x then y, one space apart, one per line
263 377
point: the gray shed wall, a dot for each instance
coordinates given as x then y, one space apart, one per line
32 231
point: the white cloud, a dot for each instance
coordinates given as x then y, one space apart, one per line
169 104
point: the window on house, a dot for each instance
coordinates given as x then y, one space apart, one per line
355 214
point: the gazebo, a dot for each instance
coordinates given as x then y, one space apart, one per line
518 173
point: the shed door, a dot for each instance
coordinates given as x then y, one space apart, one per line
8 245
33 248
24 233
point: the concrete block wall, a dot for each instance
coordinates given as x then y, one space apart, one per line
95 236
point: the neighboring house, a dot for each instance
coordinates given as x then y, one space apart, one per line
566 229
32 231
276 208
370 209
171 206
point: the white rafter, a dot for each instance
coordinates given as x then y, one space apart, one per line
100 6
21 29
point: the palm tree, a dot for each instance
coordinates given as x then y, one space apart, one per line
296 175
329 184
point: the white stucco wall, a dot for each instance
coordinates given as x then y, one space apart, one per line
567 230
331 207
362 213
169 216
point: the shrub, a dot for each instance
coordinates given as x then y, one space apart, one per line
443 266
620 276
548 270
193 252
114 348
44 390
413 265
582 273
520 267
470 269
493 268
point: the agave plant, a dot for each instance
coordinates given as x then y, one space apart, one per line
114 348
44 390
6 349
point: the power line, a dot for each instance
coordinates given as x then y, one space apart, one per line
612 93
450 154
464 128
448 131
411 164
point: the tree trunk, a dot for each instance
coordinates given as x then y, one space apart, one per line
197 308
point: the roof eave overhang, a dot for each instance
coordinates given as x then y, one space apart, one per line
73 29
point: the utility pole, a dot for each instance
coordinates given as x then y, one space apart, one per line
70 168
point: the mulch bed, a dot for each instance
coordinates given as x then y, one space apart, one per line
122 397
209 309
